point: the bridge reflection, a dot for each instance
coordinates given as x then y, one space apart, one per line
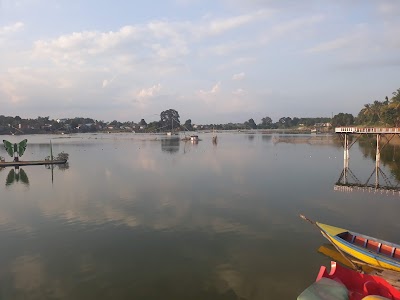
348 182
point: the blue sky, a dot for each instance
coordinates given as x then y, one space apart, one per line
213 61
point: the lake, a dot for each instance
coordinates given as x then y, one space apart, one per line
137 216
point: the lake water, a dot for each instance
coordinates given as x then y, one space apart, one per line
142 217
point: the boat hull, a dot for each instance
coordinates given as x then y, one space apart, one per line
363 254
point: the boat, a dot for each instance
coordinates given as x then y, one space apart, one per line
370 250
343 283
332 253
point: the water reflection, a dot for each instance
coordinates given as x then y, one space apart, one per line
250 137
266 137
170 145
61 167
377 181
215 140
17 175
389 155
128 222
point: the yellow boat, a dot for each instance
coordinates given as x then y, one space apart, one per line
367 249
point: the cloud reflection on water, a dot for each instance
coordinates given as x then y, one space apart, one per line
128 209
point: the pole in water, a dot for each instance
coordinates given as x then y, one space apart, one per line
51 151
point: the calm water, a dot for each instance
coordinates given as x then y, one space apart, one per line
138 218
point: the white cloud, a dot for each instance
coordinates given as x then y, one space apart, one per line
214 90
11 28
219 26
225 48
388 8
9 91
149 92
331 45
288 27
107 82
213 27
238 76
239 92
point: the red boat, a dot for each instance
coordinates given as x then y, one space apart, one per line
344 283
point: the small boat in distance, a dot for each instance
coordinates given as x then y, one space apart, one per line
372 251
343 283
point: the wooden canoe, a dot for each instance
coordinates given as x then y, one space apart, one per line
20 163
373 251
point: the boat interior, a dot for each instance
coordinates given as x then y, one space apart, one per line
372 245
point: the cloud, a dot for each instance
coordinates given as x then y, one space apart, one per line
149 92
11 28
331 45
107 82
222 25
391 8
239 92
289 26
214 90
238 76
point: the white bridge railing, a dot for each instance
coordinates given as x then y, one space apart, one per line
392 130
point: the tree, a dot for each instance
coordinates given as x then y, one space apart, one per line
188 125
266 122
153 126
252 124
74 123
142 122
285 122
342 119
396 96
169 119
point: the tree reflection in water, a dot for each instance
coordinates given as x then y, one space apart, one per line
170 145
17 175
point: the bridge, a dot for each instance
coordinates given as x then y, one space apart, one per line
368 130
383 137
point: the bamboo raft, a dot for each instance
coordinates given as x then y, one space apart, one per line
4 164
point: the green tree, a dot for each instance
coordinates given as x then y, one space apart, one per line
396 96
342 119
285 122
250 124
266 122
142 122
188 125
169 119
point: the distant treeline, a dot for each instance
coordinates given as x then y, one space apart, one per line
378 113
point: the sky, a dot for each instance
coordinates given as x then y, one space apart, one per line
214 61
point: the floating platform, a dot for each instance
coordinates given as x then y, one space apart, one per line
4 164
